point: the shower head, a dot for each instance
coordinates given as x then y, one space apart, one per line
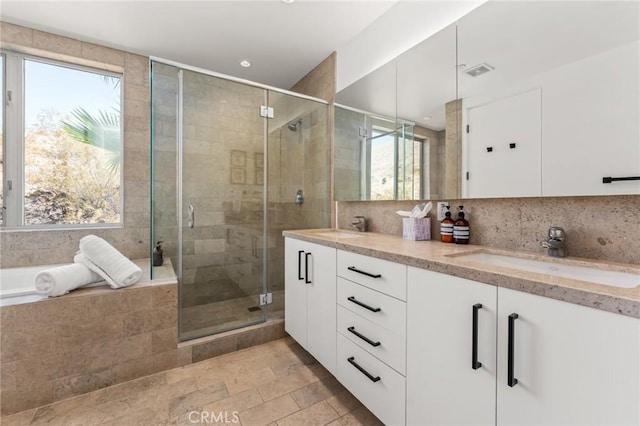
294 126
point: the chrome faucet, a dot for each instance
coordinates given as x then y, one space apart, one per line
556 242
360 223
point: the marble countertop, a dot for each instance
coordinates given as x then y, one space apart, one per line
445 258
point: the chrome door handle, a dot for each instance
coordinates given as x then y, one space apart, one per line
192 216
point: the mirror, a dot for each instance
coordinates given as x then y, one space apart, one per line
391 144
550 92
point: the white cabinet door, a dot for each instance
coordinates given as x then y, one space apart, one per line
503 152
573 365
295 291
310 298
321 304
443 388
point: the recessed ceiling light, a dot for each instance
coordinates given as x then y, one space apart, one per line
287 1
427 117
245 64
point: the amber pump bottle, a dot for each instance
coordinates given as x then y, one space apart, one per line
446 228
461 228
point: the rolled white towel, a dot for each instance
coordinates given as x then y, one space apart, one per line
103 259
62 279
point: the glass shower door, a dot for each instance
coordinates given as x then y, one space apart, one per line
298 183
222 204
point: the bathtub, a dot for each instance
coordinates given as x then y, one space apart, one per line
20 281
18 285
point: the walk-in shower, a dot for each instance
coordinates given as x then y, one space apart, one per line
224 181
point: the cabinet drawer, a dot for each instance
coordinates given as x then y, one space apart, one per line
385 397
378 308
381 275
386 345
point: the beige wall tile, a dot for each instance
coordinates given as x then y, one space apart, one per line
164 340
146 320
102 54
602 228
26 397
57 44
15 34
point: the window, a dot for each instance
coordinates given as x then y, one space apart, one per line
395 163
62 144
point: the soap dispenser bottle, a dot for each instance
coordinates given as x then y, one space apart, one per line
461 228
158 254
446 227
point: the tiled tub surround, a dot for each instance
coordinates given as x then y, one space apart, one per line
49 247
599 228
56 348
436 256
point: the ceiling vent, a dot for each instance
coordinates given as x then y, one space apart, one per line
477 70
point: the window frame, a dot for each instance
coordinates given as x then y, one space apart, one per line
14 142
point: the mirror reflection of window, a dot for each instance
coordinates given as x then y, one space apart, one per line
383 163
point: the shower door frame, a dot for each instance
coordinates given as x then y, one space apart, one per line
179 172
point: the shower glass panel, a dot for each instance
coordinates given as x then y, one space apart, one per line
298 159
222 205
225 183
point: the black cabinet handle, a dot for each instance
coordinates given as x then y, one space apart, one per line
300 277
609 179
474 337
362 370
364 305
354 269
511 381
306 268
366 339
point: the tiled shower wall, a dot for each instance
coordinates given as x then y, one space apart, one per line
50 247
223 176
603 228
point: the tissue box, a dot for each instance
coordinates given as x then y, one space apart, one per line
416 229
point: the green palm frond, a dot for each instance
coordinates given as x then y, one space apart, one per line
102 131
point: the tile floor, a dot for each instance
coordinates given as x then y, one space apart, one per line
276 384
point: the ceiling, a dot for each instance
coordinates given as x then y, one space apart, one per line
282 41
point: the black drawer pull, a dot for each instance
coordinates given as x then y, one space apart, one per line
366 339
362 370
306 268
354 269
475 364
511 381
364 305
300 277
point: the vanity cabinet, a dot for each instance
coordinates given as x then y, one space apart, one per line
371 300
310 299
451 350
573 364
556 362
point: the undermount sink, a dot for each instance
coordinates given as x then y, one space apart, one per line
338 234
556 268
